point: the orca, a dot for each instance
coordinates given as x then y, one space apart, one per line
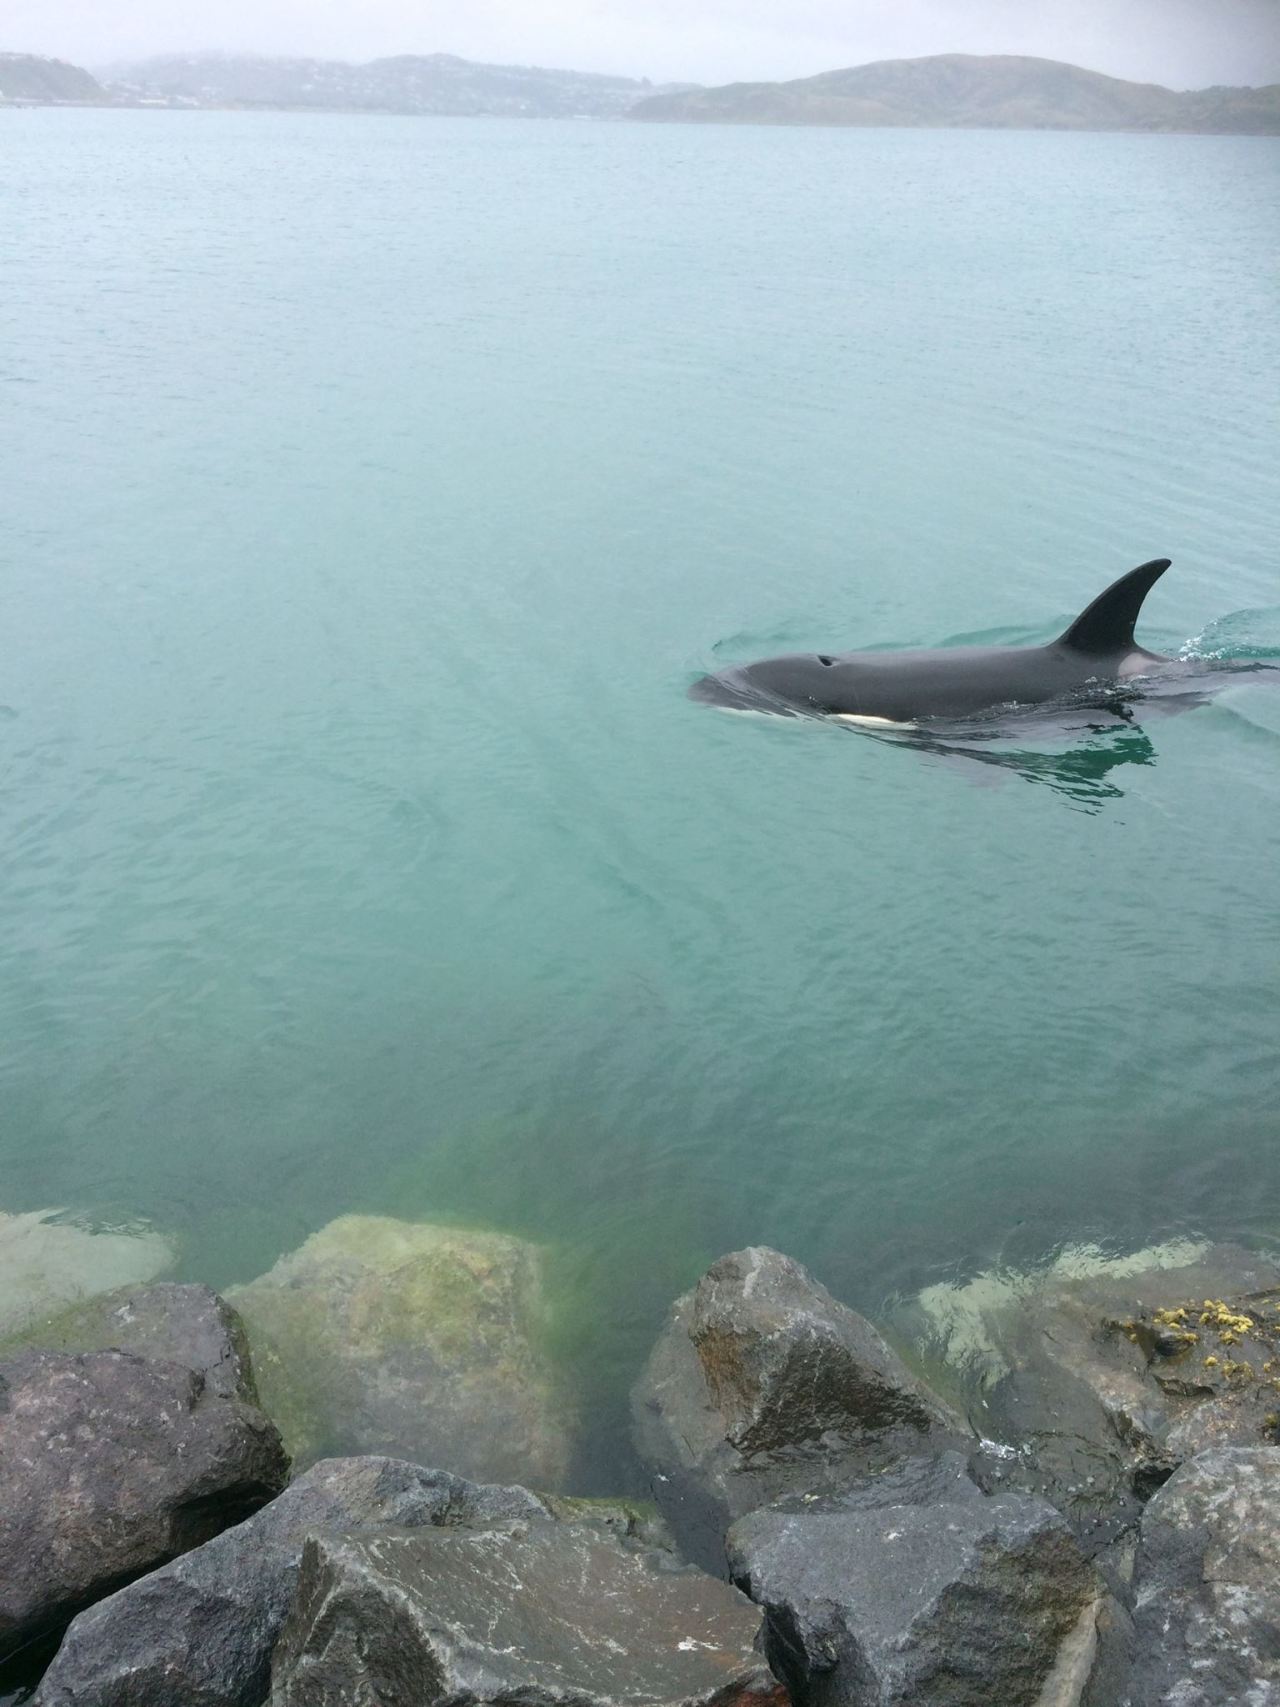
1094 662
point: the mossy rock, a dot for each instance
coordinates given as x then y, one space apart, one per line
420 1341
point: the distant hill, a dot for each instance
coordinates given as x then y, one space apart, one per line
28 77
435 83
959 90
952 90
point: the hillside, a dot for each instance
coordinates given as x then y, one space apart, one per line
956 90
29 77
437 83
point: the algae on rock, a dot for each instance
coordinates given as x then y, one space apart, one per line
411 1339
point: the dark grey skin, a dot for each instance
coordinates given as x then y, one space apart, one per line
1096 656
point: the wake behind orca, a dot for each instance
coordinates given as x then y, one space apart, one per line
1096 661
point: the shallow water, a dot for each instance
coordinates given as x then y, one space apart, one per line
374 490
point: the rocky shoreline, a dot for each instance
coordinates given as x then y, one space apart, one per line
1095 1526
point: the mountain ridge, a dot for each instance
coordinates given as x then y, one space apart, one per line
972 91
436 84
940 91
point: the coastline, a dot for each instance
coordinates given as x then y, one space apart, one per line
183 105
1095 1411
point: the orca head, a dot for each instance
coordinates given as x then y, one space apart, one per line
797 684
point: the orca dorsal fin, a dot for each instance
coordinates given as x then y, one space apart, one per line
1107 624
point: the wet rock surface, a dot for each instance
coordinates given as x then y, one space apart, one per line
762 1385
1207 1586
1070 1453
412 1340
1105 1383
540 1613
915 1588
187 1325
109 1465
199 1632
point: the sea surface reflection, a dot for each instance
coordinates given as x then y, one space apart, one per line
1083 773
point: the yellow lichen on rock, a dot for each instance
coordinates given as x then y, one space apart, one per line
1216 1314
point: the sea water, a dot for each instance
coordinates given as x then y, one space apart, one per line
374 488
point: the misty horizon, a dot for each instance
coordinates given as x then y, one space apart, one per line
1181 44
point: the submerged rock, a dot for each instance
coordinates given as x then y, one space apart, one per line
414 1340
540 1613
189 1325
48 1259
109 1465
762 1385
1105 1379
199 1631
914 1587
1207 1586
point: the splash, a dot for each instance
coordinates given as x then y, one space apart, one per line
1238 637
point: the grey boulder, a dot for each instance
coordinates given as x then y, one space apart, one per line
199 1631
170 1323
109 1465
1207 1585
1104 1380
762 1385
544 1614
1071 1450
914 1589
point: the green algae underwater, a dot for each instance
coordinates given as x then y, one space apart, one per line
380 487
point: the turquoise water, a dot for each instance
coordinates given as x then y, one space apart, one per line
374 489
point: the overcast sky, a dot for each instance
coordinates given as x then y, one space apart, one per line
1183 43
